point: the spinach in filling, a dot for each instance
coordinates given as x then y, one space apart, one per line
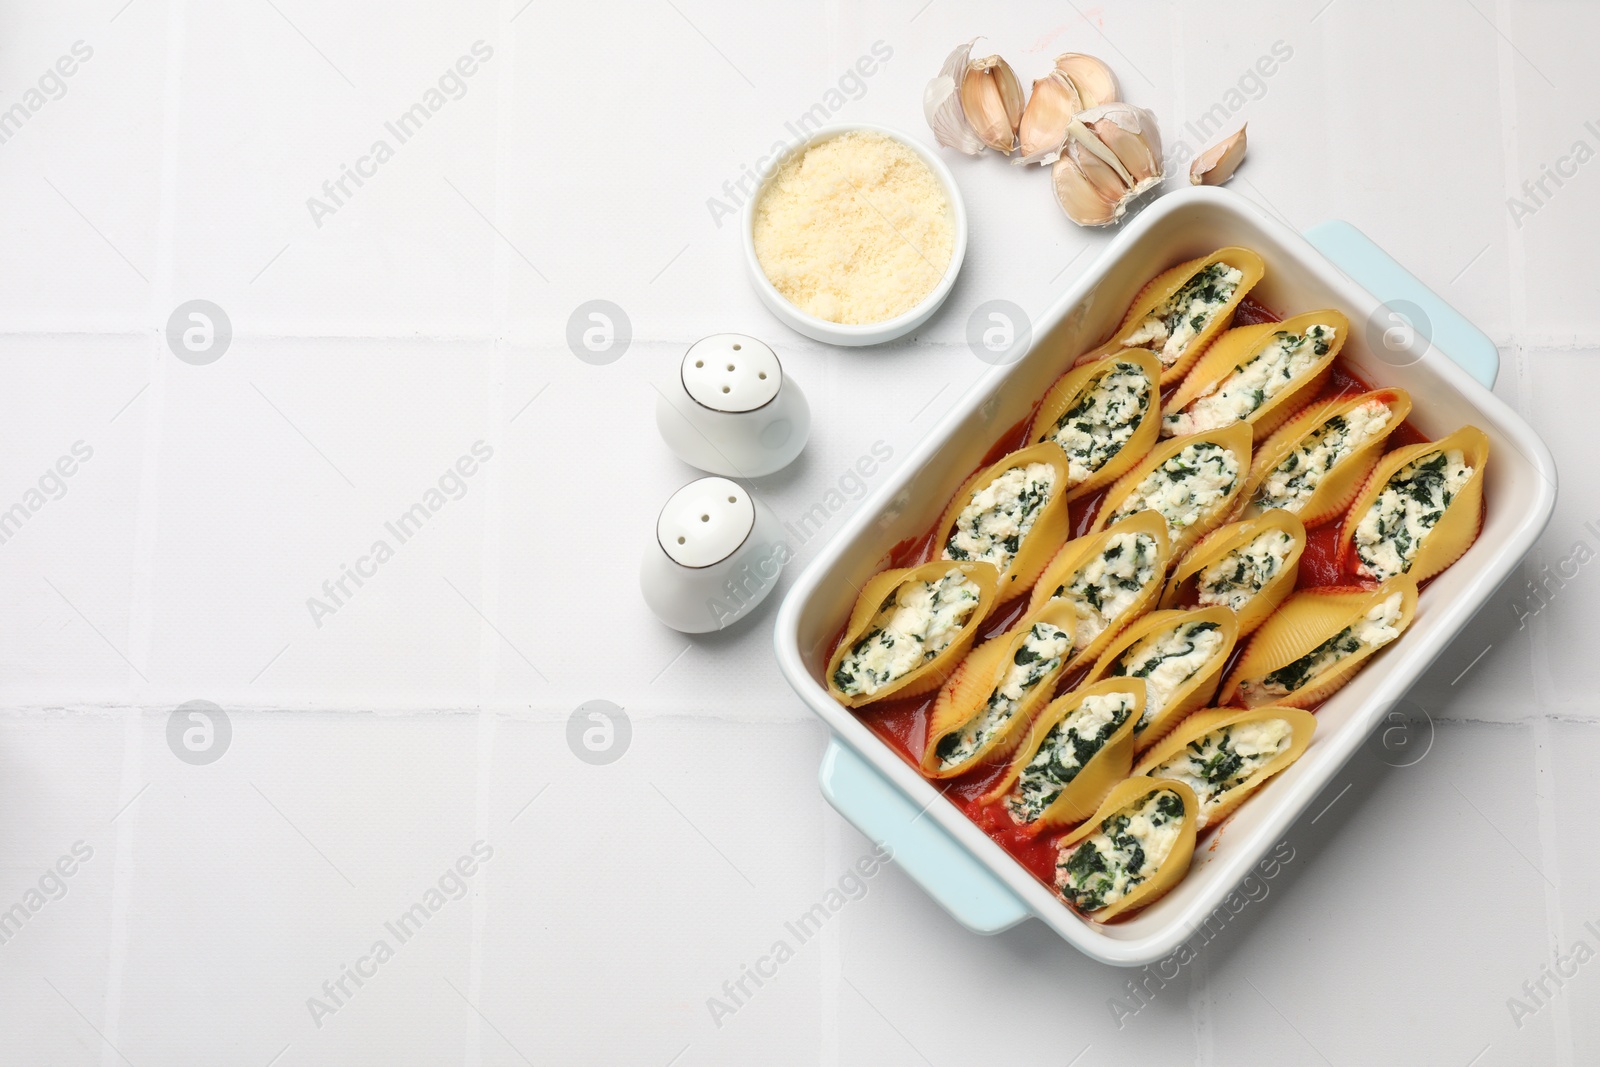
1126 852
1065 751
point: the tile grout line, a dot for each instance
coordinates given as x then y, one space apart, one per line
489 651
830 965
1549 863
488 728
1516 255
141 606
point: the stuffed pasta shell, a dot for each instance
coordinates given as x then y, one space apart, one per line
1226 754
909 628
1420 510
1134 849
1104 416
984 709
1247 567
1012 514
1317 641
1080 745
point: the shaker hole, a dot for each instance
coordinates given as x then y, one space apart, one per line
737 347
730 366
733 500
699 363
680 540
725 389
705 518
762 376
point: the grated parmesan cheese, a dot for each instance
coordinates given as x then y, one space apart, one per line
855 229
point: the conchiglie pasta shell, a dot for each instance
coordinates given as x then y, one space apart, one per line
1050 526
1304 622
1170 281
1079 552
1192 694
883 587
1302 724
1236 438
1074 385
1240 344
963 696
1455 531
1338 486
1183 588
1172 870
1108 766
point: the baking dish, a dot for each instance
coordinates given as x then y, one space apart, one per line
1332 265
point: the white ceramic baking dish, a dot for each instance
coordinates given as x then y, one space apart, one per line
1333 265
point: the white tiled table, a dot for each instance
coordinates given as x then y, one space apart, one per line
428 712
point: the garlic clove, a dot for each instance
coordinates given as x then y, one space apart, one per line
1080 197
1106 181
1092 79
1043 128
941 103
1132 135
991 98
1216 164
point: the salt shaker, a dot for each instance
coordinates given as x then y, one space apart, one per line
732 411
717 555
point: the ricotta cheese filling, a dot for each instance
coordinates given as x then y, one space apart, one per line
1241 574
1223 760
1411 503
994 522
1166 660
1186 487
1251 384
1125 852
1290 484
1094 429
1039 654
1108 584
1066 750
1171 326
1372 631
916 623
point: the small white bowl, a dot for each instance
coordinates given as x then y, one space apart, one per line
838 333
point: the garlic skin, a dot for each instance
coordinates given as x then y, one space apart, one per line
1077 82
991 99
1112 155
941 104
1216 164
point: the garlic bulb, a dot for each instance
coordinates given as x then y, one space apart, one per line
973 103
1112 154
1076 82
1216 164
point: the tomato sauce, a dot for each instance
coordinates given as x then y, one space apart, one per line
902 724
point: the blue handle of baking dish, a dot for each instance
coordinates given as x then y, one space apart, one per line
1447 329
945 870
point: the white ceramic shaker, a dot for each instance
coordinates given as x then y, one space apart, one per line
731 410
718 553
